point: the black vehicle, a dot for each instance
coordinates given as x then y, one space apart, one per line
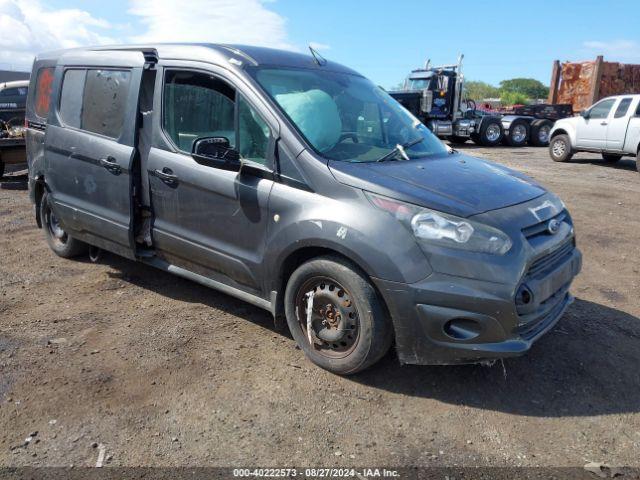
435 96
13 99
299 186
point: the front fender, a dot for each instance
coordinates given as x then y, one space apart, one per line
564 127
351 226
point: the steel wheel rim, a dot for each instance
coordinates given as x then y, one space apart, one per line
559 148
493 132
543 134
335 320
519 133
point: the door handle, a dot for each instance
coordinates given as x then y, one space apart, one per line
167 176
603 123
111 164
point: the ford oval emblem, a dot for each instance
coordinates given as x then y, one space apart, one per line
553 226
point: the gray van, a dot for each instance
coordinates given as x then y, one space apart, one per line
297 185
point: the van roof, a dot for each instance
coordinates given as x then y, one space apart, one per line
214 53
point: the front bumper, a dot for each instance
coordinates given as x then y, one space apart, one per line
451 320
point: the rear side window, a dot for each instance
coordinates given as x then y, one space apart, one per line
71 97
105 100
95 100
44 87
14 92
623 108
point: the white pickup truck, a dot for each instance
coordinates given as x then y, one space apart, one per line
610 127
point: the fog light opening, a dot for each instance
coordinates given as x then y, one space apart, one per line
462 329
524 296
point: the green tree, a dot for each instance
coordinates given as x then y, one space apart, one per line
480 90
513 98
530 87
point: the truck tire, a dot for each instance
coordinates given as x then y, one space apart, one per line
350 326
539 134
560 148
59 241
518 134
611 157
457 140
491 132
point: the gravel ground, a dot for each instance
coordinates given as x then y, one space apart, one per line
156 370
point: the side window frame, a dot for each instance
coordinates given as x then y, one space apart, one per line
629 101
611 109
61 121
271 143
167 142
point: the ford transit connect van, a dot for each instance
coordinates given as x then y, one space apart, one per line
299 186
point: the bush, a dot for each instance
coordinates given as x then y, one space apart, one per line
513 98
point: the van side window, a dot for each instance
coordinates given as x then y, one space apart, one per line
253 133
105 101
623 107
71 97
44 87
197 105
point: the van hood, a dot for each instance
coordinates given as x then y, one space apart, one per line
451 183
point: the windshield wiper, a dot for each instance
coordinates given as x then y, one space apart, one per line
400 148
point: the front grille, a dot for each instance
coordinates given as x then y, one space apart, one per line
533 328
549 261
542 228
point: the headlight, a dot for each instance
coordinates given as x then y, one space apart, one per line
443 229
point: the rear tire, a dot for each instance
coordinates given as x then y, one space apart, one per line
518 133
491 132
560 148
611 157
350 326
539 135
457 140
1 169
59 241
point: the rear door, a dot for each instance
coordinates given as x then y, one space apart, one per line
618 123
90 146
592 131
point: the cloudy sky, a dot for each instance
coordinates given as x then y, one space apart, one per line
381 39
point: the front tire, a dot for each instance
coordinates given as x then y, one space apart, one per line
611 157
560 148
350 329
59 241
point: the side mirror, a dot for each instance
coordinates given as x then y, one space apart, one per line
584 114
216 152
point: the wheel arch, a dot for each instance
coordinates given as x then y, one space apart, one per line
298 256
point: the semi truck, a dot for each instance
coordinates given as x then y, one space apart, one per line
435 95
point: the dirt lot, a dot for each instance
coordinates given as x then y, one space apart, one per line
161 371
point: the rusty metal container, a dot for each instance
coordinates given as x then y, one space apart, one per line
581 84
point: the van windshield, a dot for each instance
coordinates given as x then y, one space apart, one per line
346 117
